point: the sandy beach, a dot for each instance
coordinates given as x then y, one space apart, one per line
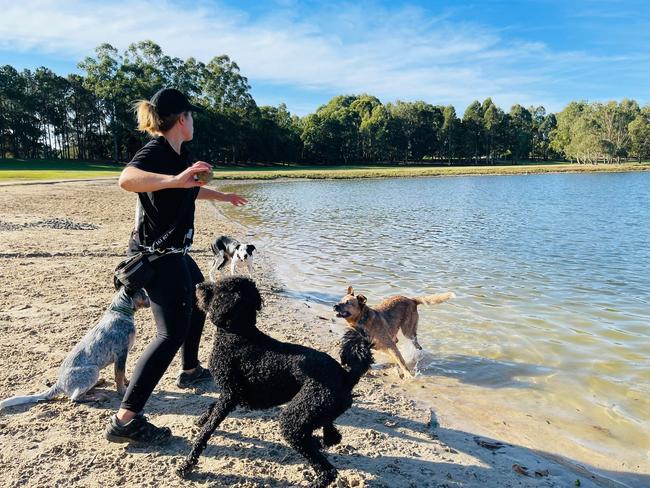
59 244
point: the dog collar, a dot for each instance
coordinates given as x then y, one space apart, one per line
123 310
364 317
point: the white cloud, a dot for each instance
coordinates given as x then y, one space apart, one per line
393 54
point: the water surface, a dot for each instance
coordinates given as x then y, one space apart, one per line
552 274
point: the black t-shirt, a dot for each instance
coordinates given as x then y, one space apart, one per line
157 156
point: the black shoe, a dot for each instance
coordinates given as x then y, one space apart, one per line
199 375
138 430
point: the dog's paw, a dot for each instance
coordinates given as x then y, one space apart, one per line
184 470
324 478
331 437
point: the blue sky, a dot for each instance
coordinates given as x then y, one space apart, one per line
537 52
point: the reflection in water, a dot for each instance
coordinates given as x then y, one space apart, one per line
551 272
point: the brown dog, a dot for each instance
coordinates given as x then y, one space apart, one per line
384 321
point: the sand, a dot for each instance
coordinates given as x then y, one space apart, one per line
58 246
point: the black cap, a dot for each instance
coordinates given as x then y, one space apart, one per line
170 101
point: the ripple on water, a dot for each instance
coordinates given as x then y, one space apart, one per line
551 277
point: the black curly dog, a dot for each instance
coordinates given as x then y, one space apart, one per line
256 371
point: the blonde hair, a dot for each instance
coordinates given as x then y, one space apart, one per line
150 121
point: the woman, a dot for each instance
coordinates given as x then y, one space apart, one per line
163 176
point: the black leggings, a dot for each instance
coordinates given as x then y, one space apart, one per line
179 324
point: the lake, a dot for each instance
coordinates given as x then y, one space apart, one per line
551 273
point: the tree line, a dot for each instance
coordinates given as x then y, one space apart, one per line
89 116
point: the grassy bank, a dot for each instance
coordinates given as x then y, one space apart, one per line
44 169
15 170
346 172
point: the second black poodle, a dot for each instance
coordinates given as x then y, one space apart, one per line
256 371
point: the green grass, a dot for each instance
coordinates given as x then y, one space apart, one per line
345 172
43 169
12 169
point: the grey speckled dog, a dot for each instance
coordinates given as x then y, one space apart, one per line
108 342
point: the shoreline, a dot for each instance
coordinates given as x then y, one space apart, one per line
48 301
363 172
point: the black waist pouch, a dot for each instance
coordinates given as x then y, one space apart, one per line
136 271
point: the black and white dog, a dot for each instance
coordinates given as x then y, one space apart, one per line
231 251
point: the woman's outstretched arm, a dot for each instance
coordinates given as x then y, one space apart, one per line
208 194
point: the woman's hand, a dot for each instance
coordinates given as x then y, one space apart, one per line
235 199
186 178
210 194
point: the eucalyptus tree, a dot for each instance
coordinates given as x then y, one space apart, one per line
12 98
105 77
223 87
521 137
578 134
473 129
639 130
543 136
495 123
85 120
613 121
543 125
420 124
377 132
566 119
450 133
332 133
364 106
20 131
277 135
226 93
50 93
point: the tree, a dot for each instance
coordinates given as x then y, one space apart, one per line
90 116
420 124
543 126
105 78
378 133
332 133
278 135
639 130
450 133
473 129
20 132
224 88
613 120
494 121
520 132
566 120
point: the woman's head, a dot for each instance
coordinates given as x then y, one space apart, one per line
167 110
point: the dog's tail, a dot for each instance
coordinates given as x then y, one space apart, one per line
434 299
38 397
356 354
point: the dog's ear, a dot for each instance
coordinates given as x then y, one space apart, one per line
361 299
249 249
204 295
350 290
